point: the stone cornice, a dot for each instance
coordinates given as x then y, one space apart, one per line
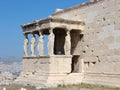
53 19
50 22
77 7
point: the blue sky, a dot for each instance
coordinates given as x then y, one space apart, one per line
14 13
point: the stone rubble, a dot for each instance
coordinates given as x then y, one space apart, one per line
7 78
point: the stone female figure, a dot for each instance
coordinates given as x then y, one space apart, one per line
67 46
26 47
33 44
41 44
51 42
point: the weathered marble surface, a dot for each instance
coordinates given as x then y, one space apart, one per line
100 45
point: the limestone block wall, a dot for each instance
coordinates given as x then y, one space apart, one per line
47 71
101 40
35 64
47 65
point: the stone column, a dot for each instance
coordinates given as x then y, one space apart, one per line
41 44
51 38
67 45
25 46
33 45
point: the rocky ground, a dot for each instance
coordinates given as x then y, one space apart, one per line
16 87
83 87
7 78
68 87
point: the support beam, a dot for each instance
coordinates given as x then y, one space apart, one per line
25 45
41 44
51 39
67 46
33 45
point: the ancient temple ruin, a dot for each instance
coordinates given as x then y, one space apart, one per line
83 46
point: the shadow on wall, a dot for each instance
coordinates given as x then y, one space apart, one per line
76 37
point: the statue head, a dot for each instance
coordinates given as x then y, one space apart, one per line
40 33
51 31
68 32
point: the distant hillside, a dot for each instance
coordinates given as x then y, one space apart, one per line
11 64
10 59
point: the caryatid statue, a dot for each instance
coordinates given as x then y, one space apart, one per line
67 46
33 45
26 46
51 42
41 44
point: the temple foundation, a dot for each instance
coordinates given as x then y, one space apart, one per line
48 71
